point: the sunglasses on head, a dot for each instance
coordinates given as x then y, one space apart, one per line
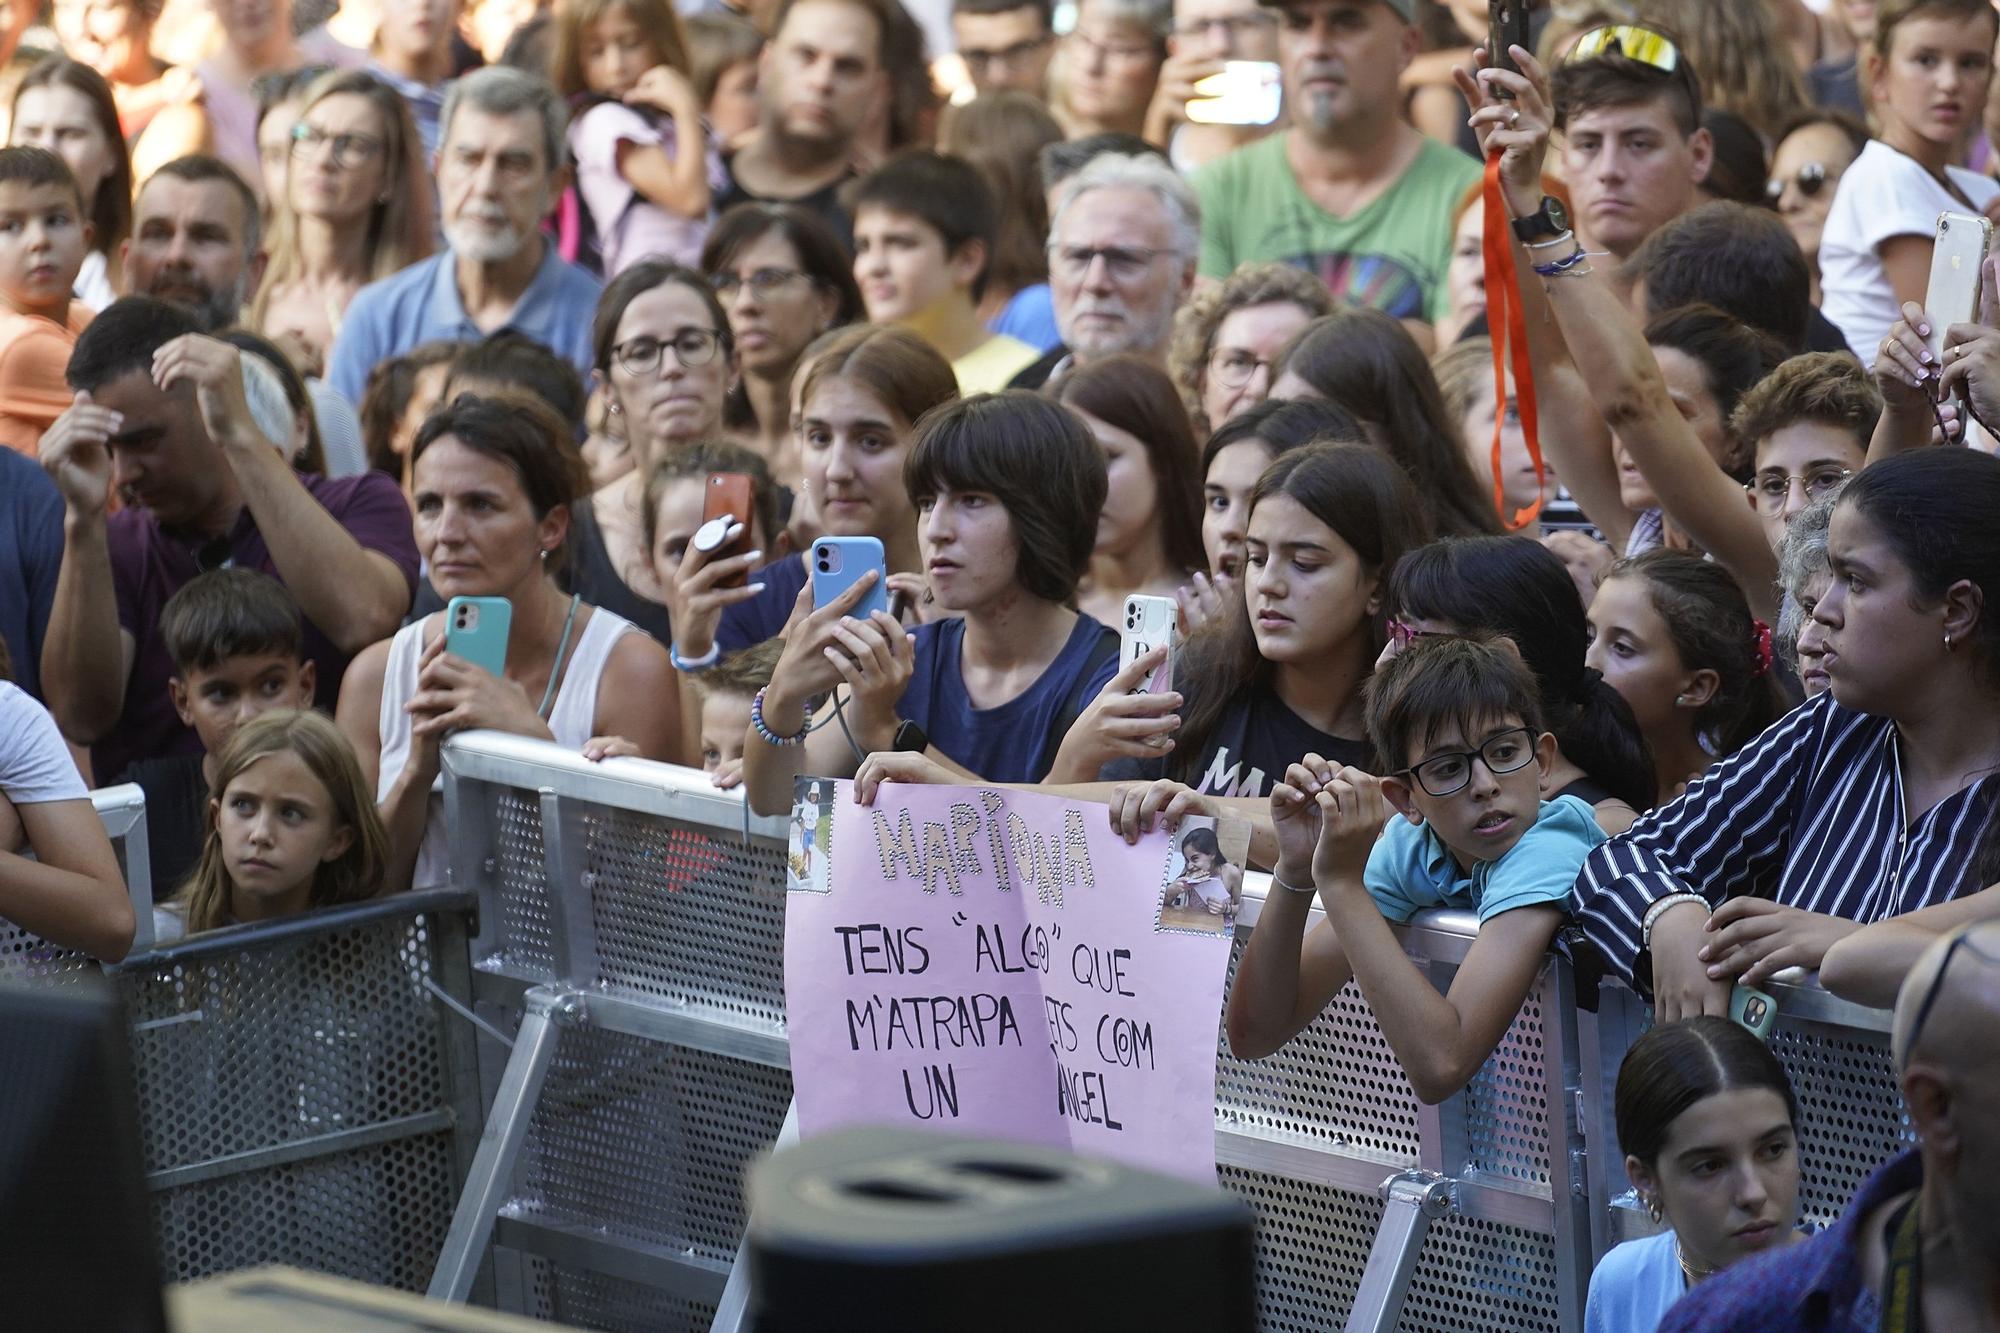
1640 45
1810 180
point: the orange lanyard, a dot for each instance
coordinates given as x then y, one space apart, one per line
1508 328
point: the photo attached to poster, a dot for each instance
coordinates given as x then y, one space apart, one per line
1204 880
809 855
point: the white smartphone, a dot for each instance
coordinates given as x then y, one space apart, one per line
1957 261
1149 622
1247 92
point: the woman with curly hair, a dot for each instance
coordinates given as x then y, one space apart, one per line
1226 338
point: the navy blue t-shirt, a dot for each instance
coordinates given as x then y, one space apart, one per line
31 548
1010 743
749 623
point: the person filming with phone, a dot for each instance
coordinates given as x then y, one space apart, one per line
1218 88
494 480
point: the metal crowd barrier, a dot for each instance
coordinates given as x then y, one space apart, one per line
632 934
304 1097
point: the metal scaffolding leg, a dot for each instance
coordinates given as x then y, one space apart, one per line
1415 1199
548 1011
733 1310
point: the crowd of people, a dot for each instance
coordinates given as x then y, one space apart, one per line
1644 619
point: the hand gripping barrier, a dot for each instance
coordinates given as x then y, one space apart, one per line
631 926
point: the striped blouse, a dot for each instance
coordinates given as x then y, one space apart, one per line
1810 814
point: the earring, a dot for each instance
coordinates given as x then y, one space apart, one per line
1681 701
1947 640
1653 1209
545 555
614 409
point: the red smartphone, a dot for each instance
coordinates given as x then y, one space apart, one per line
728 496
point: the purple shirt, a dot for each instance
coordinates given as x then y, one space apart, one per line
1812 1287
149 565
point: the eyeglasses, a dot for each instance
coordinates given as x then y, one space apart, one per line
692 347
1403 635
763 284
981 61
1770 490
1115 50
349 150
1125 263
1503 752
1811 179
1640 45
1228 27
1936 988
1234 367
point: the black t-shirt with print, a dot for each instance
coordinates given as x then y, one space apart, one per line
1254 741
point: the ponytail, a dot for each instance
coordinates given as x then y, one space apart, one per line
1710 623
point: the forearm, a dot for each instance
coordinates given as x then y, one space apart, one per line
1267 1005
354 597
82 655
71 908
405 815
1898 432
1422 1027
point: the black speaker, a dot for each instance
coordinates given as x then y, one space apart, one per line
893 1231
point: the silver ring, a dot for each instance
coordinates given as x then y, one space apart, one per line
1513 118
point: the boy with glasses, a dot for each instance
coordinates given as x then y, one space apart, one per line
1459 721
1006 44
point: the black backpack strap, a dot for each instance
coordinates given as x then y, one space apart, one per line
1080 694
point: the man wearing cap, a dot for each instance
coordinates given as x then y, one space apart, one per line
1350 190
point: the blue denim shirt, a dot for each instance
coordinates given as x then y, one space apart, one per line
421 304
1812 1287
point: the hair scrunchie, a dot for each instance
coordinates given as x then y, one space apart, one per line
1763 650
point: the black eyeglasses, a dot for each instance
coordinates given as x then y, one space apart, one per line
980 61
1811 179
763 284
691 347
1502 752
349 150
1936 988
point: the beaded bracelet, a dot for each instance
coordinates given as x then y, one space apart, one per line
768 736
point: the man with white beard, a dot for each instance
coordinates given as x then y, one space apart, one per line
500 168
1123 240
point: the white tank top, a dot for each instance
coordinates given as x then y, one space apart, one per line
571 719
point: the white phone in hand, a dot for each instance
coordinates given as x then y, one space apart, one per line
1149 622
1958 261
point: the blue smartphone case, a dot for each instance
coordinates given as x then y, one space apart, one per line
476 629
839 562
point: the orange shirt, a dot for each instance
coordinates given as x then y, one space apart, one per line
34 356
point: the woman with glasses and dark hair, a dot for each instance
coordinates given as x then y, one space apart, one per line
666 362
356 208
784 279
494 480
1226 338
1814 150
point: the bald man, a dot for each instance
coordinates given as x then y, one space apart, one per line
1918 1249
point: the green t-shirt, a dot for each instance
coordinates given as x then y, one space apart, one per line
1390 255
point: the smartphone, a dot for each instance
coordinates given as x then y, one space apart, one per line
1957 260
1754 1010
1506 27
1245 93
475 628
728 496
838 564
1149 622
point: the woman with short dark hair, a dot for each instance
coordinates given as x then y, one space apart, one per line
1008 487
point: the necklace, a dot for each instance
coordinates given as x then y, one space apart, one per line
1692 1272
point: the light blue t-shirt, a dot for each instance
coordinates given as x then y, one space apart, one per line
421 304
1410 869
1633 1286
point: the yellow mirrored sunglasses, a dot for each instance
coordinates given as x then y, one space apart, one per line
1640 45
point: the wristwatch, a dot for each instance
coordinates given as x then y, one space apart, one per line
910 739
1547 223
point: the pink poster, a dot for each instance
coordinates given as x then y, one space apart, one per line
1002 963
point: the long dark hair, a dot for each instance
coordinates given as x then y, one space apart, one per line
1710 623
1136 396
1675 1065
1368 363
1935 508
1518 588
1283 426
1364 497
111 211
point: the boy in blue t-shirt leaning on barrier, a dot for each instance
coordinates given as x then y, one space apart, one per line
1460 720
